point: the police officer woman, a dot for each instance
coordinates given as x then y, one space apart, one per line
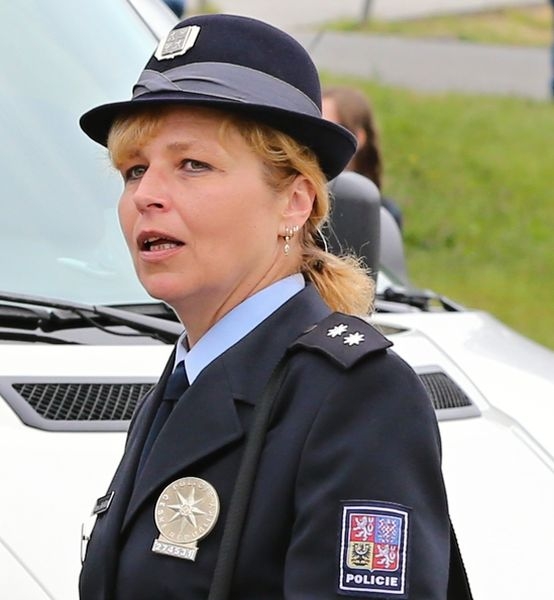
224 158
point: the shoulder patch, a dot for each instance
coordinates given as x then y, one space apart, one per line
343 338
373 549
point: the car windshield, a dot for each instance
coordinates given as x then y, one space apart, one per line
58 191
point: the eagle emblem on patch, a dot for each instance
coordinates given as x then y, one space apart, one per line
373 549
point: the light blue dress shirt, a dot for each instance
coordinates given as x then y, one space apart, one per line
236 324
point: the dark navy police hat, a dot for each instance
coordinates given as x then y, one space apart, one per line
239 64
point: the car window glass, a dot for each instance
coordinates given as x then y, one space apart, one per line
58 191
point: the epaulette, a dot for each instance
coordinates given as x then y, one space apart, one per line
345 339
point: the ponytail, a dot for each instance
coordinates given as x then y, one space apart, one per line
343 281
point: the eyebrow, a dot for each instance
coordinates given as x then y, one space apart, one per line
213 149
179 146
137 152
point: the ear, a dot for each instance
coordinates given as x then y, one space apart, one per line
300 200
361 136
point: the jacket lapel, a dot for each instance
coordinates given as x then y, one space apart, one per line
100 575
205 418
203 421
140 426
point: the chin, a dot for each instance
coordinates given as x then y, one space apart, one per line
165 287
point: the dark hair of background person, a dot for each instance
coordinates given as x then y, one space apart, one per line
352 109
354 112
179 7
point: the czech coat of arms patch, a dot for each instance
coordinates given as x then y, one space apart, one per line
374 537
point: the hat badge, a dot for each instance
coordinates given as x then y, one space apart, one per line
177 42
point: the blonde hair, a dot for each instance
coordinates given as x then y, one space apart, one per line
343 281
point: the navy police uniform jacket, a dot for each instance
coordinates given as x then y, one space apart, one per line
348 500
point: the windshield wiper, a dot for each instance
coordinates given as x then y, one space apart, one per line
55 315
421 299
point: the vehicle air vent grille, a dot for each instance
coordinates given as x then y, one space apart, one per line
108 405
77 405
443 392
448 398
83 402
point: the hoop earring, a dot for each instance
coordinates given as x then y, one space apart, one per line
290 232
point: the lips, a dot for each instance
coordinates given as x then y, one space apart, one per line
157 242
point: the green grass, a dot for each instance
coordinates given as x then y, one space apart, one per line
203 7
474 178
528 26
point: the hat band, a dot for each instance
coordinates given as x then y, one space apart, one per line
227 81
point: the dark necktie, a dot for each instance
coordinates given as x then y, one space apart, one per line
176 385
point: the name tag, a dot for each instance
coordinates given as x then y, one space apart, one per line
103 503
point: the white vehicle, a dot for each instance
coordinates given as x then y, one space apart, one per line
81 341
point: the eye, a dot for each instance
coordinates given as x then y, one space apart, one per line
194 166
135 172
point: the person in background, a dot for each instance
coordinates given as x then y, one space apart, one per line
225 160
179 7
350 108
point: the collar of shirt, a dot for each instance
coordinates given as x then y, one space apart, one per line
236 324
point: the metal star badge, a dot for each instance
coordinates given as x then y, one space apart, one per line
185 512
354 339
337 330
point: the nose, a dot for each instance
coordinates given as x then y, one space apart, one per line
151 193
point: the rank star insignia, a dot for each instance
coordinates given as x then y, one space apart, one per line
354 339
337 330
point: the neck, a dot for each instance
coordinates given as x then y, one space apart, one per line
198 315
